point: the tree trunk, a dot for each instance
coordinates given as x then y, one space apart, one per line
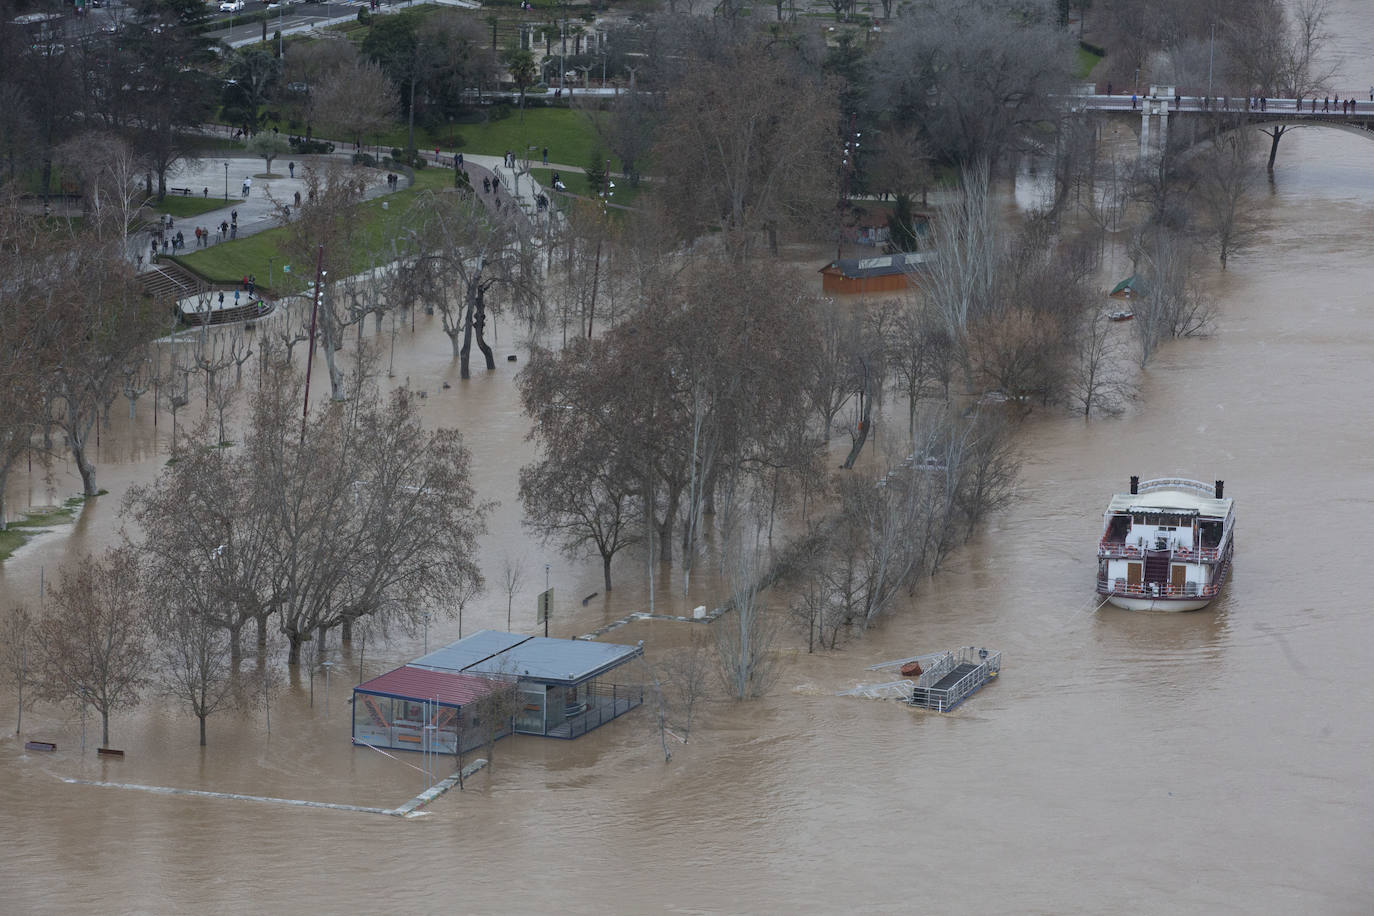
83 464
606 570
262 632
346 630
1274 147
463 352
105 728
293 657
202 731
480 326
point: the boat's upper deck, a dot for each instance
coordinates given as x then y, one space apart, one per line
1175 495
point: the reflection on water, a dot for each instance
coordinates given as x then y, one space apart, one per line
1214 760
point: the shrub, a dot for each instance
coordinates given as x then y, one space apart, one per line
364 16
364 159
301 146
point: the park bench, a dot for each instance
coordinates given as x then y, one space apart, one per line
39 746
184 192
110 752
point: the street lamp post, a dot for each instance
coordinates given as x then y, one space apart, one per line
226 180
326 666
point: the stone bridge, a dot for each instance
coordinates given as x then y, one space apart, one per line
1273 116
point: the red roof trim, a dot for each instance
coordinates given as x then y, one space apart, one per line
420 684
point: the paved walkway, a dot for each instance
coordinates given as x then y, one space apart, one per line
256 212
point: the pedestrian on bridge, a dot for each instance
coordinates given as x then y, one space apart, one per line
1134 101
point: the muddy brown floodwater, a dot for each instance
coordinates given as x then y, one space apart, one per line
1209 762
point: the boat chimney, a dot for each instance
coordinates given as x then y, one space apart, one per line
1221 488
1135 485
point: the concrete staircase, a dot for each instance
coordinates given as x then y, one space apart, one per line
168 282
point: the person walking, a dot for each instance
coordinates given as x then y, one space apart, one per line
1134 101
458 161
546 155
291 167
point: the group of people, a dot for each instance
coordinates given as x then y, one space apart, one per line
392 180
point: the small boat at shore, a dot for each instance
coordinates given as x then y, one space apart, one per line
1120 315
1166 545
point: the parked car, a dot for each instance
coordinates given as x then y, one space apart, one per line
230 6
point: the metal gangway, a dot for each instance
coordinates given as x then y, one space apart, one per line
955 676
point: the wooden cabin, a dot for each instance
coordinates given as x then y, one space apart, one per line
882 274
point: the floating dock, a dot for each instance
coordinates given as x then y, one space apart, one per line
947 678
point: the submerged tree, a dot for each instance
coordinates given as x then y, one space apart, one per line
94 640
458 252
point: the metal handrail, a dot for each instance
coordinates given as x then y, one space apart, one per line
1120 549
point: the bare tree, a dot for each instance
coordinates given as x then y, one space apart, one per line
980 80
196 667
765 158
31 310
1096 379
457 253
1225 189
358 97
745 636
688 674
1173 303
369 513
492 715
18 658
512 578
103 321
93 642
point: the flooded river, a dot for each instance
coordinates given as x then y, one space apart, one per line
1208 762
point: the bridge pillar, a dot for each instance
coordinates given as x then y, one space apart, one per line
1163 126
1145 130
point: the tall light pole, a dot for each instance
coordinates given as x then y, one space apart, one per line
226 180
1211 54
326 666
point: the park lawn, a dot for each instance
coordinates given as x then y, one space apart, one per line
1086 60
260 255
181 207
569 135
576 183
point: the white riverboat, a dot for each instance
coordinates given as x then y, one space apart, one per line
1166 545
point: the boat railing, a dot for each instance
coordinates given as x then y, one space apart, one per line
1151 590
1118 549
1177 483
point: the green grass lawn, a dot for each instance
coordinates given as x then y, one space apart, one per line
228 262
576 182
1086 60
570 136
181 207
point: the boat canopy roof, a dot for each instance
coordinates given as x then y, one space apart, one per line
1170 501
